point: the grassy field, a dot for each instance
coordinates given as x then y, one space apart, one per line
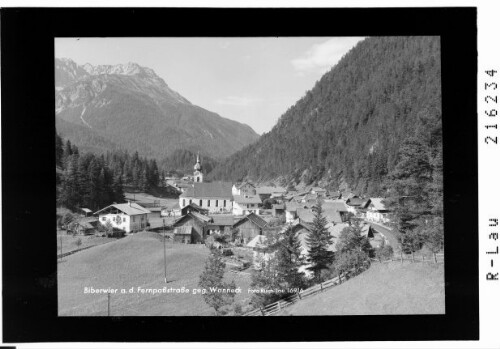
134 261
384 289
168 202
70 242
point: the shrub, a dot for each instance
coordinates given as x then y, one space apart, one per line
227 252
384 252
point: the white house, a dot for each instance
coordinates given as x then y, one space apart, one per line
244 188
129 217
377 212
245 204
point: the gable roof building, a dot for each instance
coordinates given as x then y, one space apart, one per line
129 217
214 196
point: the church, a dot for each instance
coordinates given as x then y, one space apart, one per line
213 196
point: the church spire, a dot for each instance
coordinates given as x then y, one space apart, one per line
198 169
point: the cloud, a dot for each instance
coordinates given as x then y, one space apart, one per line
238 101
321 57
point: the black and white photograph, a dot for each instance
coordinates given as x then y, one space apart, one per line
286 176
249 176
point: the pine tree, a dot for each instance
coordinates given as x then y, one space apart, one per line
70 195
265 279
59 151
318 241
118 194
67 152
350 239
212 280
289 260
144 184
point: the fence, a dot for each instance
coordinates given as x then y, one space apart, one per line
416 258
275 307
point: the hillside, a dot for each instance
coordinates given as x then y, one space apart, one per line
134 261
129 107
384 289
351 124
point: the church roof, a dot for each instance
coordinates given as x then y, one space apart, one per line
211 190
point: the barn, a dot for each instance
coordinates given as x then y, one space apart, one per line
249 227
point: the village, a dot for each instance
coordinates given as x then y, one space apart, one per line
237 215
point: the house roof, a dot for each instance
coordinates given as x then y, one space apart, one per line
261 223
256 241
355 201
202 190
222 220
130 209
338 205
271 190
244 184
200 216
183 184
292 206
318 189
193 215
279 206
310 197
196 207
241 199
331 214
184 230
377 204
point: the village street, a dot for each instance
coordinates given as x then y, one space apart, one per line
390 234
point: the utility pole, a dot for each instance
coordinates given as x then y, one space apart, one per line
164 251
60 242
109 304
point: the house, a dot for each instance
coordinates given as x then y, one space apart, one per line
249 227
377 212
219 224
335 195
331 213
267 192
198 224
86 212
245 204
84 226
337 205
192 207
353 203
291 211
129 217
183 234
278 210
244 188
309 198
318 191
182 185
171 210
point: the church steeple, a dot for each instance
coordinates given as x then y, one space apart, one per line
198 170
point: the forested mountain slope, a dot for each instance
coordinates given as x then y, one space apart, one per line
351 124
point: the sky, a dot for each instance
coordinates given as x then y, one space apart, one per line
250 80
